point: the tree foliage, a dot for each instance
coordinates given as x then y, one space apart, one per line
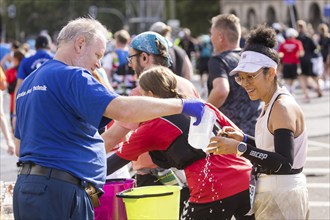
32 16
196 15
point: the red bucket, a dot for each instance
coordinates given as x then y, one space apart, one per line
112 207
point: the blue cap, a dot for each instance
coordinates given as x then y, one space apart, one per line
146 42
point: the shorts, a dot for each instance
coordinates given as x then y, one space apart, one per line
237 205
281 197
290 71
306 67
203 65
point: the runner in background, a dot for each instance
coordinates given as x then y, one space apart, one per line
181 64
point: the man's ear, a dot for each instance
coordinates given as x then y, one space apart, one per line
221 36
79 43
144 56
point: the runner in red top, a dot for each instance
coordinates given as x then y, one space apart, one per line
218 184
12 80
290 51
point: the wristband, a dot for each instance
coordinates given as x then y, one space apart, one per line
245 138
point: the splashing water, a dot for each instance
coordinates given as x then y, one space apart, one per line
205 176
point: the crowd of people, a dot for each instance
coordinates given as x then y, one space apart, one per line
83 112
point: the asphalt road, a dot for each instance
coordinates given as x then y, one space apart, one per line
317 166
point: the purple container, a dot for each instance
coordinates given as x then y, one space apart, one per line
112 207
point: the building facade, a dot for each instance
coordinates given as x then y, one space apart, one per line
287 12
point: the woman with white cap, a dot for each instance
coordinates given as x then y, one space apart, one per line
279 148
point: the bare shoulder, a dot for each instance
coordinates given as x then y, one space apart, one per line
287 104
286 113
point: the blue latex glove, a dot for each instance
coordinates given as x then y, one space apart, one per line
195 108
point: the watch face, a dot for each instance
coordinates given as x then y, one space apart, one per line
242 147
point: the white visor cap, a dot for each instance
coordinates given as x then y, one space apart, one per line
251 62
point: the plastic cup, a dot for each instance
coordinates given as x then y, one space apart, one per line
199 135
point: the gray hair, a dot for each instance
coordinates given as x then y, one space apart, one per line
87 27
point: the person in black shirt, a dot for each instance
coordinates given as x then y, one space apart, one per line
324 42
306 61
224 92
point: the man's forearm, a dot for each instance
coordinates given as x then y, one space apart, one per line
138 109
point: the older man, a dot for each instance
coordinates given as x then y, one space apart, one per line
60 107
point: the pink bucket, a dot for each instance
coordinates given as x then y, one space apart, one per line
112 207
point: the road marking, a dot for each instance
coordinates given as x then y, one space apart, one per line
319 204
314 149
318 144
318 185
317 158
316 170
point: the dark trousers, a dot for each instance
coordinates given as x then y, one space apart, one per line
38 197
237 205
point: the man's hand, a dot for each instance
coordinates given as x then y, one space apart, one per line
195 108
11 147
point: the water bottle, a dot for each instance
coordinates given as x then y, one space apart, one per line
199 135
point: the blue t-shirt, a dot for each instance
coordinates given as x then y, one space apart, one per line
122 56
29 64
59 109
4 50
